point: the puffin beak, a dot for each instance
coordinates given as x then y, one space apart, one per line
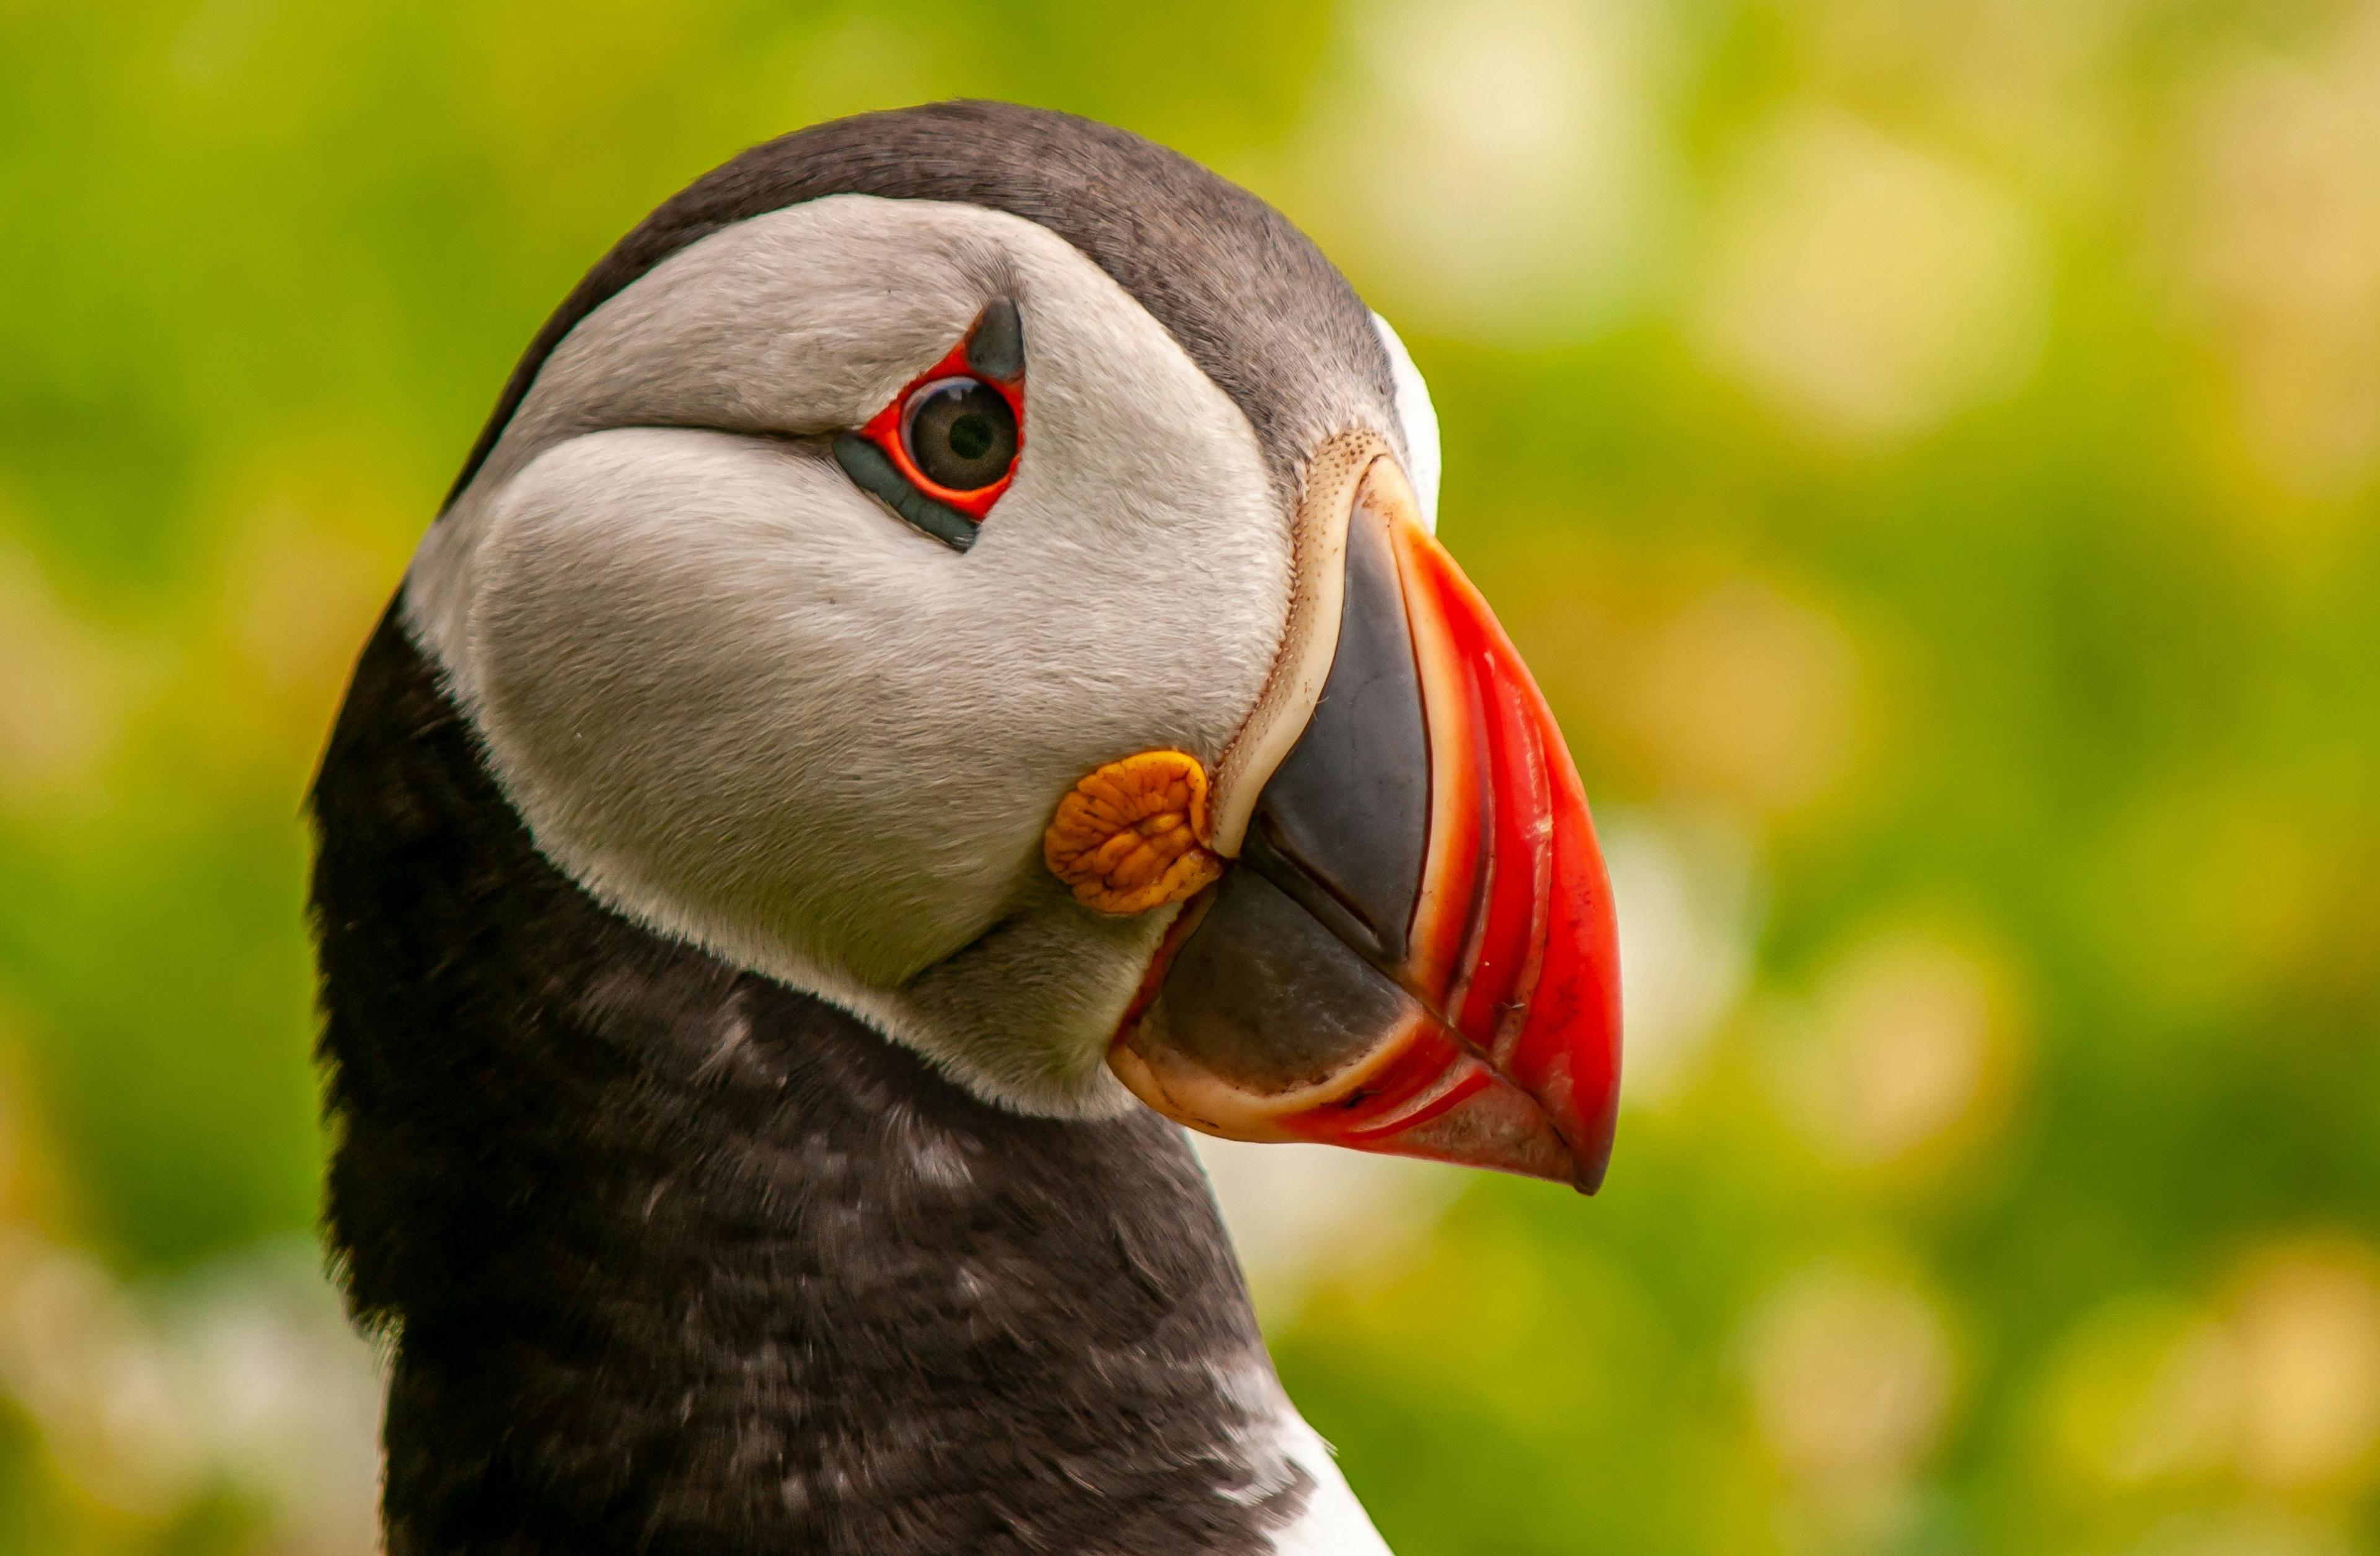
1416 953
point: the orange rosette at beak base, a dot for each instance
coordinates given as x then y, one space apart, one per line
1134 835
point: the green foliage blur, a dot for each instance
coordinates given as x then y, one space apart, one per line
1927 448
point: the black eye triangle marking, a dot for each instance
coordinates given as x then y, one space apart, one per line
872 472
995 347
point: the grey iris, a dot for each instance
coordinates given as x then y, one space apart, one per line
961 434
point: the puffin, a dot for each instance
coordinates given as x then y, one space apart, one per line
936 675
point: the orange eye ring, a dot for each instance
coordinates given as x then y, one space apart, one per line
889 429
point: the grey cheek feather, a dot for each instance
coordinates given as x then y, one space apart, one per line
745 706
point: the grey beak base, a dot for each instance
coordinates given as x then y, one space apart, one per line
1342 827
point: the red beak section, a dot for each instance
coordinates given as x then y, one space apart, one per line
1419 954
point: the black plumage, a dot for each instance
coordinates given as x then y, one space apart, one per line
675 1260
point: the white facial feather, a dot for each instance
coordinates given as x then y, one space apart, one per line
1419 419
738 699
1280 1448
1332 1522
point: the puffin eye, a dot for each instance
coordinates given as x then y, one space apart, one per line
943 452
960 434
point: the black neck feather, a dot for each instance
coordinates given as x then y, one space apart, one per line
677 1260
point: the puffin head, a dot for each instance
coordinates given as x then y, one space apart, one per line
976 566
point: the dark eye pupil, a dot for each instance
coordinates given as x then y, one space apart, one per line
971 436
961 434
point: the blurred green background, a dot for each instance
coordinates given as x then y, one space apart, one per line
1929 451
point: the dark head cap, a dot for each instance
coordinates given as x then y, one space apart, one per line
1248 295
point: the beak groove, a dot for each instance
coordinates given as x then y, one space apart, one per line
1420 956
1535 990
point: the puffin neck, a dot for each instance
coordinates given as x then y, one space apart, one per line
676 1259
